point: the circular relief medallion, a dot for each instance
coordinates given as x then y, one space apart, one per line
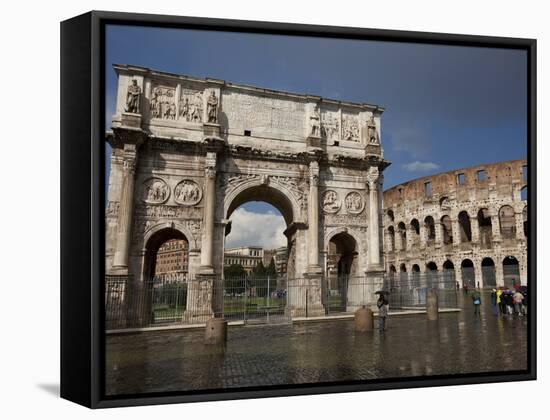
354 202
187 192
155 191
331 201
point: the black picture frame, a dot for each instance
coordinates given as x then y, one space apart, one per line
83 191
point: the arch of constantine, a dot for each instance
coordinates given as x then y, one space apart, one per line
188 151
469 223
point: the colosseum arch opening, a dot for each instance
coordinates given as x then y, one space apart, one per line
485 228
430 229
391 239
510 269
468 273
447 230
488 272
431 274
402 235
465 227
415 232
449 271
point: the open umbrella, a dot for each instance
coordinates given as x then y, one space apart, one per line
381 292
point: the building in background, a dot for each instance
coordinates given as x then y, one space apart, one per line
469 223
250 256
246 256
172 261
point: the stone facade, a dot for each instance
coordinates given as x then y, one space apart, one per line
471 223
187 151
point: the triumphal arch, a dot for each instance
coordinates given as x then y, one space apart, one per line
188 151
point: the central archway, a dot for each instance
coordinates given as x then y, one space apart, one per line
261 290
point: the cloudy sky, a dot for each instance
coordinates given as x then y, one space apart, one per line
446 107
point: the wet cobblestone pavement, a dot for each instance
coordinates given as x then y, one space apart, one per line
178 360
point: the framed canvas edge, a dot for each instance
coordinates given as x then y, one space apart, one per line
93 333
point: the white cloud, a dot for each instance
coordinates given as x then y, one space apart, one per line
259 229
418 166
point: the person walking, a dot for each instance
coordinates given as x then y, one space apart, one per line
476 299
509 302
494 302
518 303
499 301
382 304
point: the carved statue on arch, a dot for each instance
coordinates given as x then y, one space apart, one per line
133 97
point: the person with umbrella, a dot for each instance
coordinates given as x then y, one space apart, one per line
382 305
476 298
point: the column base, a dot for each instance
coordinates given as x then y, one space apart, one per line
314 271
206 271
375 268
200 293
120 270
128 119
313 143
211 130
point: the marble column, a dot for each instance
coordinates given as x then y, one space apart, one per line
207 249
124 229
311 287
201 290
374 216
313 218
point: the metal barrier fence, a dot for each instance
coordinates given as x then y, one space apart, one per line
253 300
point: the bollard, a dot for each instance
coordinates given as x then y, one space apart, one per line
216 331
364 320
432 305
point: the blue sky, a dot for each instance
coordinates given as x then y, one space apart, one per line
446 107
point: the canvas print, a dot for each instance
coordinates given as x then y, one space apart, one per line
293 210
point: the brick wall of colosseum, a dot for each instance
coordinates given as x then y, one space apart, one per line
469 223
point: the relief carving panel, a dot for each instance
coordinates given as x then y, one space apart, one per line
187 193
331 201
354 202
155 191
190 105
350 128
163 104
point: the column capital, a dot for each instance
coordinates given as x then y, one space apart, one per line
373 177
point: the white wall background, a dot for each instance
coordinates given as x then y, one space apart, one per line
29 236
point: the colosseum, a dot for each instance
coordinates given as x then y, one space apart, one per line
469 224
